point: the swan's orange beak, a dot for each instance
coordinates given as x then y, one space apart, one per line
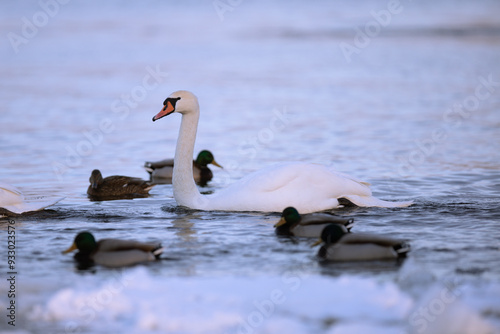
168 108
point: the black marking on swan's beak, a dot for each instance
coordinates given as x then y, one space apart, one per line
168 108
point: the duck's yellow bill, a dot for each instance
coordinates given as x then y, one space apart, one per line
281 222
317 243
72 248
216 164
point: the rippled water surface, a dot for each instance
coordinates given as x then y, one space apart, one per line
415 112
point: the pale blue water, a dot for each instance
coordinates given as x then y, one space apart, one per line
274 85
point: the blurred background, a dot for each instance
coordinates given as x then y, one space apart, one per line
68 66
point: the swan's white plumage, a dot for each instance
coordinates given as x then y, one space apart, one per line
306 186
14 201
274 188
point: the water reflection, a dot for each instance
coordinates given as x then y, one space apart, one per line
184 228
332 268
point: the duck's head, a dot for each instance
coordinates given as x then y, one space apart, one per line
84 242
180 101
331 234
206 157
289 217
95 178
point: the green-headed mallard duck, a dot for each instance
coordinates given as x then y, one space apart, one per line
338 245
116 187
309 225
112 252
161 171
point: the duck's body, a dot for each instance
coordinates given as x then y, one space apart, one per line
306 186
162 171
116 187
342 246
112 252
308 225
13 202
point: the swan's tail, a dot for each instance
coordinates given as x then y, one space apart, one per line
368 201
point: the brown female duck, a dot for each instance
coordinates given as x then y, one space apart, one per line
116 187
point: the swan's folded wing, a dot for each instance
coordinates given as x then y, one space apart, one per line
270 179
367 184
303 175
306 180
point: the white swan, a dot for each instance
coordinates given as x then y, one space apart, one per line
13 202
306 186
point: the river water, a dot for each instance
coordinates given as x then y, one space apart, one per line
404 95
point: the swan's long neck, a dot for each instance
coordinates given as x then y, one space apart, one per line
185 191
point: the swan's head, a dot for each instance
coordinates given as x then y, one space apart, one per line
180 101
